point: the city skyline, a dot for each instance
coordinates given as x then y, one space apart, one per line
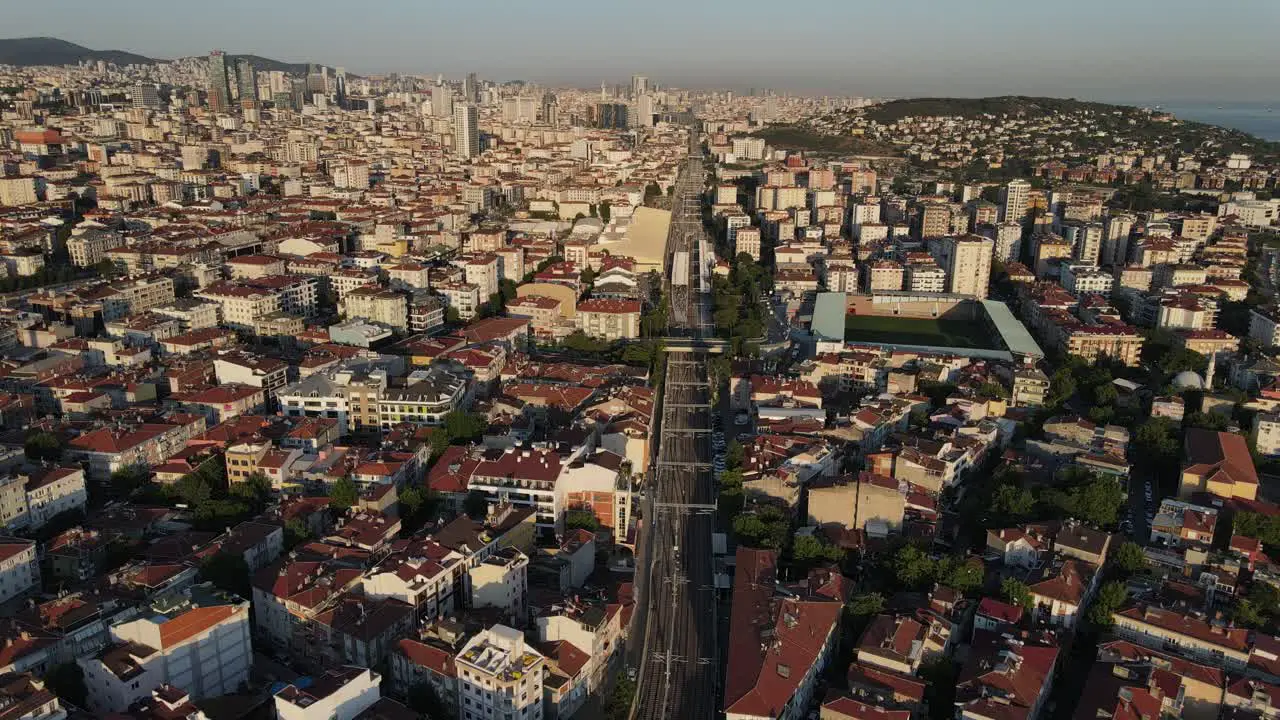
935 49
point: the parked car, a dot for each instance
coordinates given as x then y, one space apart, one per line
741 419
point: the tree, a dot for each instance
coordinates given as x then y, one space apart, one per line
1111 597
128 479
912 567
581 519
962 575
865 604
1012 502
764 528
1156 441
618 706
734 455
605 212
67 682
343 494
424 700
452 316
940 676
295 533
255 490
1129 558
192 489
993 390
809 550
1260 608
412 500
1016 592
42 446
476 505
229 572
459 425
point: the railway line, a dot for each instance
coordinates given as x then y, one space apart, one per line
677 675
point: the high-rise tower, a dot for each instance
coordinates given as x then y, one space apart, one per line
218 83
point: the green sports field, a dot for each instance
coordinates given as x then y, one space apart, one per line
918 331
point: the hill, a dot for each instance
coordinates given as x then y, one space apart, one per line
796 137
52 51
262 64
894 110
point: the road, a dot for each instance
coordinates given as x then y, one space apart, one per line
679 655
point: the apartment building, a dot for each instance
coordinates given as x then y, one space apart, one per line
499 676
241 306
1190 636
197 640
377 305
884 275
1118 342
609 319
462 298
429 396
780 681
337 694
19 567
967 260
501 582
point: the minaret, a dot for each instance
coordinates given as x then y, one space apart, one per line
1208 373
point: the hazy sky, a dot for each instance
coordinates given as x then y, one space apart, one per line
1133 50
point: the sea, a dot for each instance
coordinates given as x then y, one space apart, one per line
1260 119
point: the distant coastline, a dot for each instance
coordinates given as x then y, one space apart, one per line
1252 118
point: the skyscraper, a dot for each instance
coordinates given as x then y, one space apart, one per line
639 85
218 84
466 130
644 110
442 100
247 83
1017 198
550 109
145 96
340 88
471 88
611 115
317 82
1115 241
968 264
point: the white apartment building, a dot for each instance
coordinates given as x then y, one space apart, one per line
429 396
609 319
748 148
190 313
19 190
464 298
377 305
338 694
1017 200
483 272
241 306
197 640
499 677
1266 429
502 581
968 264
426 585
49 492
260 372
19 568
352 174
1081 279
747 240
926 279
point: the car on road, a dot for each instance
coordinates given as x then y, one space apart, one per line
741 419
